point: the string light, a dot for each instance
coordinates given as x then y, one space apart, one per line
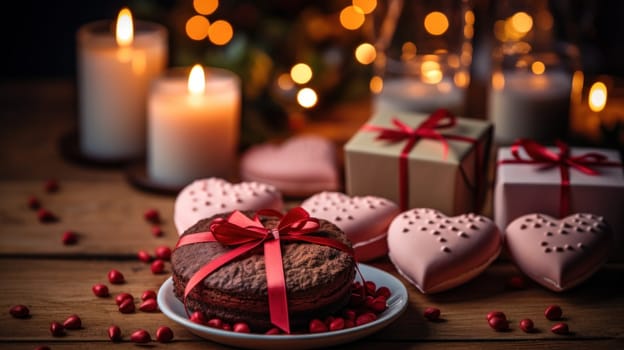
597 96
307 98
301 73
367 6
538 67
365 53
436 23
220 32
408 51
284 82
205 7
197 27
522 22
469 17
498 81
352 17
376 84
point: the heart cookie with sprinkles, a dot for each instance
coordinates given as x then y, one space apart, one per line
559 254
435 252
206 197
364 220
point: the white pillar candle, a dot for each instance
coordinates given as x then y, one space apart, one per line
193 134
414 95
526 105
113 79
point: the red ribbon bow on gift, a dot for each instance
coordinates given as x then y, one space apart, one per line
246 235
539 154
440 119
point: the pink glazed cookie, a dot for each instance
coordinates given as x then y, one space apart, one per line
364 220
559 254
207 197
301 166
435 252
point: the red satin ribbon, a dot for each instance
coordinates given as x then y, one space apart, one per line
440 119
246 235
539 154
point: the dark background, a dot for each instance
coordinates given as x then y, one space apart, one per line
38 37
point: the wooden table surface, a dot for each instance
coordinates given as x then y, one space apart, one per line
54 280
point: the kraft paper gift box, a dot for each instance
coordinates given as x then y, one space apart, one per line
532 186
445 161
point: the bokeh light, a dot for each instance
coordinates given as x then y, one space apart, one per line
365 53
376 84
352 17
444 87
220 32
468 31
431 73
576 94
461 79
469 17
367 6
284 82
307 98
408 51
513 28
597 96
522 22
498 81
301 73
436 23
205 7
453 61
538 67
197 27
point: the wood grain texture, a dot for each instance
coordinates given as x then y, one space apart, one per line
108 217
369 345
54 289
55 280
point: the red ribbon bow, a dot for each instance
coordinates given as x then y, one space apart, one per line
440 119
539 154
246 234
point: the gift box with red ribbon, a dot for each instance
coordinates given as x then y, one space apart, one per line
434 161
559 181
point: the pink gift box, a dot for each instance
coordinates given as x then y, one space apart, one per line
525 188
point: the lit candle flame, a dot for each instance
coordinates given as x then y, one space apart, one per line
197 80
124 29
597 96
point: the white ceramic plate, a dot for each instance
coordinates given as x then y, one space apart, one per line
397 303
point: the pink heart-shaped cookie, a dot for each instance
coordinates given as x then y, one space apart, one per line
435 252
207 197
299 167
559 254
364 220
